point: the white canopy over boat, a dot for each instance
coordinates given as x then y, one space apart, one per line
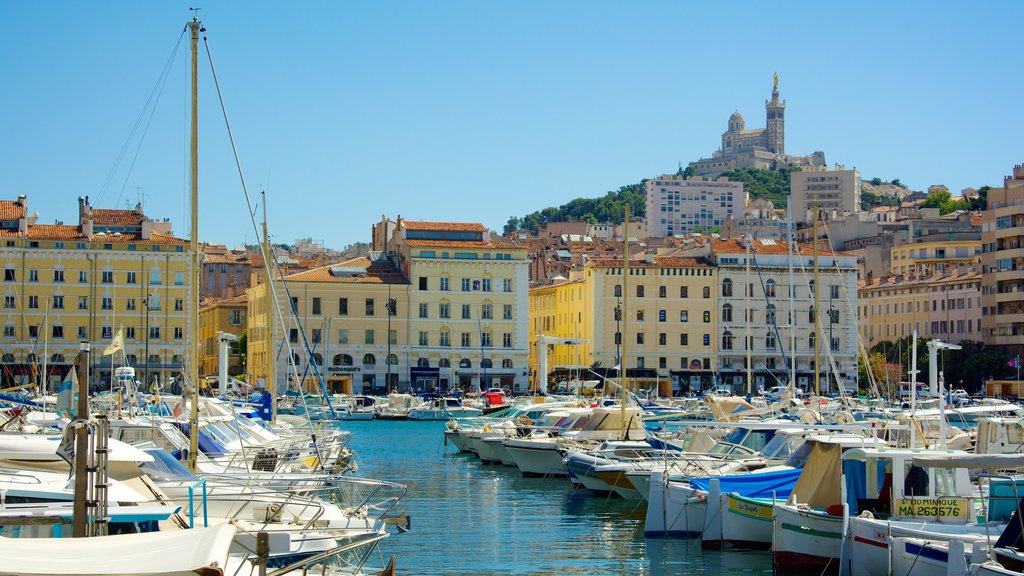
202 551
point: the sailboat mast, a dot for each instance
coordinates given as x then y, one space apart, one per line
792 296
748 315
625 317
193 355
270 384
817 311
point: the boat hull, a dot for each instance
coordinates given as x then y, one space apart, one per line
537 459
806 540
746 522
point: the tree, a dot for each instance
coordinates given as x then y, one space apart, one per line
943 200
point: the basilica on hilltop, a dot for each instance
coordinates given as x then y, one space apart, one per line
763 148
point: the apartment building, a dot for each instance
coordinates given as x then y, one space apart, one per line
561 309
70 283
1002 263
468 320
678 205
215 316
658 321
767 314
337 323
945 305
836 193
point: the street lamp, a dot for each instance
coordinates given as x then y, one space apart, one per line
145 302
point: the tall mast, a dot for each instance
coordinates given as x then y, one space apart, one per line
792 296
193 376
817 310
748 315
623 375
270 384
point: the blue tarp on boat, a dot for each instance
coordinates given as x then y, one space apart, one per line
756 485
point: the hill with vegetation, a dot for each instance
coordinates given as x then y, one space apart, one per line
770 184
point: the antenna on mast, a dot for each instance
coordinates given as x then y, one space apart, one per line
195 13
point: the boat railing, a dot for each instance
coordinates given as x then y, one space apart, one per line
191 503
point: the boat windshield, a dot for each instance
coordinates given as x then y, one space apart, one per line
781 446
799 456
164 468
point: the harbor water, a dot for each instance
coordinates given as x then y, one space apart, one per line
468 518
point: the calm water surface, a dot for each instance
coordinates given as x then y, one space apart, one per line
468 518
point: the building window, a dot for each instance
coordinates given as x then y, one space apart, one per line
83 302
342 335
369 306
369 360
506 285
424 340
444 283
129 332
423 282
618 290
834 291
707 291
465 311
368 337
392 336
727 288
485 340
707 316
446 339
293 335
465 284
130 278
769 341
487 284
662 339
129 304
179 333
486 311
179 279
33 275
507 312
684 316
155 276
618 337
107 277
506 339
639 315
316 306
639 337
684 292
58 276
727 340
58 302
106 303
707 339
342 306
82 334
640 291
769 288
9 331
33 302
9 275
33 331
424 310
834 315
154 332
444 310
727 313
465 339
235 317
83 277
316 335
662 291
684 339
57 332
179 304
835 342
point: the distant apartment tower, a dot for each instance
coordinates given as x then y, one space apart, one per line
1002 259
677 205
835 192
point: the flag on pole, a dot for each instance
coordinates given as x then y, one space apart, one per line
116 345
67 403
1015 363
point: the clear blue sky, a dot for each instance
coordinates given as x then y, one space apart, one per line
477 111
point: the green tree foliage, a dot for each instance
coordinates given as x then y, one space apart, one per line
970 367
608 208
770 184
943 200
981 202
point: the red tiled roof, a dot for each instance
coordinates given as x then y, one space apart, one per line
464 244
68 232
444 226
11 210
734 246
54 232
376 273
226 258
659 262
105 217
908 280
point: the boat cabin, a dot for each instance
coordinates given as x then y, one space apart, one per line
903 484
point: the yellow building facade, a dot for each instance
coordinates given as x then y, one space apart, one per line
468 304
340 328
66 284
934 256
561 310
227 316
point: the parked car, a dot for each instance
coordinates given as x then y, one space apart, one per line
776 393
720 391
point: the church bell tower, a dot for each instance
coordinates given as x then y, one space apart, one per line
775 113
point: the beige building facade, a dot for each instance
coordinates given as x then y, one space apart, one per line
945 305
677 205
1002 260
836 193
